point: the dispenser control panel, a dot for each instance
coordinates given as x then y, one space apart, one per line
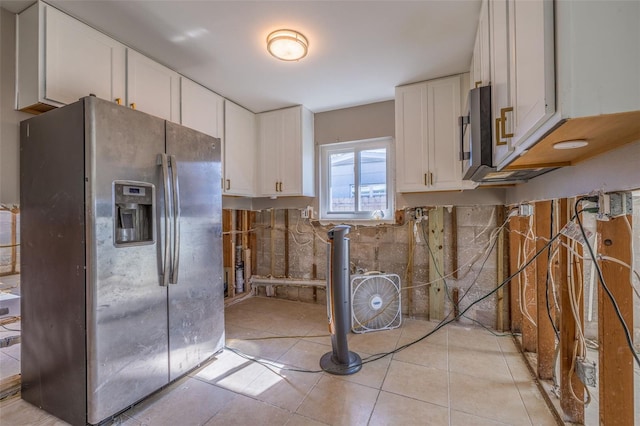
133 218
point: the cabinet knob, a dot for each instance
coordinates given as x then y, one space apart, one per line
503 122
228 184
425 180
132 105
119 101
280 186
430 178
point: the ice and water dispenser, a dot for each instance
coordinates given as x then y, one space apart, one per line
133 213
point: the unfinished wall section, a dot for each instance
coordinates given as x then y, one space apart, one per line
289 247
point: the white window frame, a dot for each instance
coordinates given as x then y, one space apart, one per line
325 151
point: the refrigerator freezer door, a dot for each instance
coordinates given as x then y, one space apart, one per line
196 300
127 341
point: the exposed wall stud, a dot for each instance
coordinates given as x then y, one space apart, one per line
545 305
436 263
616 361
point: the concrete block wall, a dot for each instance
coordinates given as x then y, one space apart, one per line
385 248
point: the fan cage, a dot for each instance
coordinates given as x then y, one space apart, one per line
376 302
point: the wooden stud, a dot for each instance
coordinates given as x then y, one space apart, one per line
454 243
500 275
409 277
572 409
514 228
546 335
272 240
286 243
436 264
616 361
14 242
253 241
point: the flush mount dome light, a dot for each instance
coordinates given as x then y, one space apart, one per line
287 45
578 143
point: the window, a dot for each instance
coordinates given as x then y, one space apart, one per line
355 180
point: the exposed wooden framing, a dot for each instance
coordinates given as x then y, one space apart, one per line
573 410
253 241
272 241
616 362
454 243
409 277
314 266
500 273
226 250
10 386
529 292
286 243
455 299
231 290
14 242
514 228
545 306
436 264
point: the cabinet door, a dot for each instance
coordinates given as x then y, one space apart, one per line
291 152
152 88
500 95
80 61
201 109
533 80
412 156
443 133
270 134
239 150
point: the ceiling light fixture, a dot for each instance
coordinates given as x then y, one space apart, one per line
573 144
287 45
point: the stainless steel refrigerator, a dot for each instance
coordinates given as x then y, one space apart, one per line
121 257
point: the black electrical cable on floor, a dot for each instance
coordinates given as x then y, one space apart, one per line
440 325
612 299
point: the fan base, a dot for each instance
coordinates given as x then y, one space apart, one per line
331 365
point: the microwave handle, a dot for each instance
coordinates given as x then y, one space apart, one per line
463 121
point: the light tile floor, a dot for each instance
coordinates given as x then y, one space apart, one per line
458 376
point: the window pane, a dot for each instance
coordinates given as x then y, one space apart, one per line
342 185
373 179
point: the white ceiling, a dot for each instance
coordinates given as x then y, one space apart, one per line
358 50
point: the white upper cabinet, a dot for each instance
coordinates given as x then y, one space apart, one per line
428 136
523 73
533 78
152 88
480 62
571 68
201 109
61 60
286 152
239 150
499 59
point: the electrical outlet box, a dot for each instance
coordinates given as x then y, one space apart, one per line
307 213
586 371
615 204
525 210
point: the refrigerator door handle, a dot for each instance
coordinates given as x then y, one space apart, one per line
164 164
176 220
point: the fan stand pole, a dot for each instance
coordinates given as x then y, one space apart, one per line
339 361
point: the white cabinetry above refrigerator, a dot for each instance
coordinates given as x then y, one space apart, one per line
60 60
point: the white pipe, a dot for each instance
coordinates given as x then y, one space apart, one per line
262 281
